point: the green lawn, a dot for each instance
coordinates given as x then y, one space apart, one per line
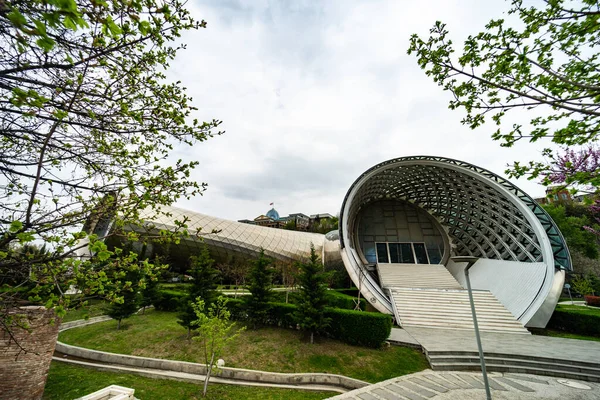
579 309
94 308
573 311
567 335
158 335
67 382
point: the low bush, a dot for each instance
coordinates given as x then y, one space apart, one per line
344 301
168 300
580 320
353 327
593 301
349 291
359 327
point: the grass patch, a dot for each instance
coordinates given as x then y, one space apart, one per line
94 308
579 309
70 382
566 335
158 335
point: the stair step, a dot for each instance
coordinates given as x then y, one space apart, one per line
480 318
517 370
471 354
468 327
515 362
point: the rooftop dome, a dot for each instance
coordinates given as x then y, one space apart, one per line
273 214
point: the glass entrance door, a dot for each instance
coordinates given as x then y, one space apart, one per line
403 253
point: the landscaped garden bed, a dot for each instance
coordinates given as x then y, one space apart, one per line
275 349
67 381
574 322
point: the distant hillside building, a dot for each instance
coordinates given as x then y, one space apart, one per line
555 196
298 221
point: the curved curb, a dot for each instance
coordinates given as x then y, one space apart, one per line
156 366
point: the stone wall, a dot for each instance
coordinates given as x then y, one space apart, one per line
23 372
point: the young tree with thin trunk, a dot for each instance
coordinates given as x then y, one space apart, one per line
214 332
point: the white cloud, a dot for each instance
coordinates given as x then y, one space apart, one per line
314 93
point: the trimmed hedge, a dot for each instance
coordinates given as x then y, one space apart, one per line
583 322
359 327
169 300
349 291
353 327
336 299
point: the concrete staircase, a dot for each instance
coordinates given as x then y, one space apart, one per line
450 309
428 296
416 276
514 363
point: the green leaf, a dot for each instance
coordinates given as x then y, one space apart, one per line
15 226
103 255
45 43
16 18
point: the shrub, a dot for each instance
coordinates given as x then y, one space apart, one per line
237 309
359 327
593 301
336 299
353 291
583 322
282 315
168 300
354 327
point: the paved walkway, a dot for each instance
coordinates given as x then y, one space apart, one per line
464 385
502 343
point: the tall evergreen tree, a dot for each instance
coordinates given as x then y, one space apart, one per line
260 287
312 296
203 285
130 275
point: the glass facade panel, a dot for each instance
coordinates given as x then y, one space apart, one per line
434 253
382 254
406 253
420 253
394 252
370 253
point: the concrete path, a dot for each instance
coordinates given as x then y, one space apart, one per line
463 385
434 340
193 378
574 303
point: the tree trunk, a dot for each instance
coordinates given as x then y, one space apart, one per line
312 337
119 324
189 333
287 293
144 310
208 371
25 354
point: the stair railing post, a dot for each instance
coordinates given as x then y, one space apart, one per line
470 262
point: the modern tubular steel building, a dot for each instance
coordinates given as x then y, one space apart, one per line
401 223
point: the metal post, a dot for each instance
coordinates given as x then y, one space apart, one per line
470 262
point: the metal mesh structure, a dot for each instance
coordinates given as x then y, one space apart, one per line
230 237
484 213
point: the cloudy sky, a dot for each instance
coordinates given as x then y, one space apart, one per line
314 93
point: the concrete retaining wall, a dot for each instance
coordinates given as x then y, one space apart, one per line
200 369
